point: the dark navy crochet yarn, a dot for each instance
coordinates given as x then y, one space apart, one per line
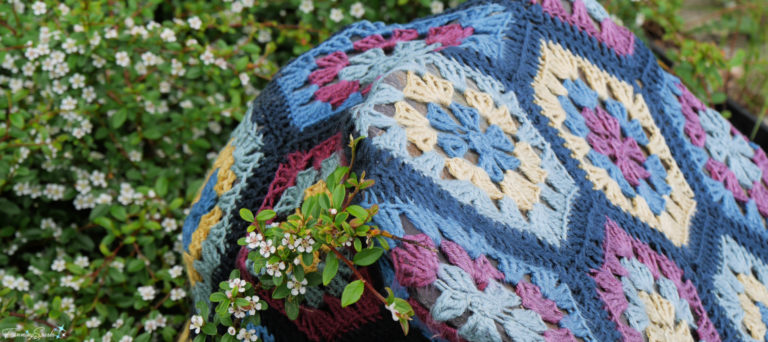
573 188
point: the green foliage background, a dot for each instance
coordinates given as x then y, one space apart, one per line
99 156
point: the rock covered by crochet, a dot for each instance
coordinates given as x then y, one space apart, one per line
573 189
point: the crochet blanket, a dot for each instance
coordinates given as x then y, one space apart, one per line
573 188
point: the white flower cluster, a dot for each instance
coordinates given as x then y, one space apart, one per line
297 287
147 292
169 224
177 294
15 283
275 269
195 323
128 195
158 322
238 284
301 245
70 281
247 335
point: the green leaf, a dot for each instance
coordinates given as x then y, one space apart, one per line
118 212
246 215
9 207
291 309
153 133
352 293
324 201
308 259
134 265
265 215
358 245
718 97
17 119
202 308
331 266
281 292
118 118
218 297
176 203
161 186
242 302
143 337
338 196
358 211
209 329
241 63
368 256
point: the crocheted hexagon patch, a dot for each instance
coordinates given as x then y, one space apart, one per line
736 169
609 130
469 135
741 289
646 294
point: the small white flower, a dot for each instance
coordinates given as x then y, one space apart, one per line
169 224
168 35
134 156
357 10
63 9
176 271
253 240
177 69
98 179
177 294
77 81
147 292
336 15
267 249
247 335
195 23
111 33
150 59
297 287
165 87
306 6
68 103
89 94
244 79
118 323
221 63
70 45
150 325
82 261
15 85
275 269
207 57
237 7
437 7
98 61
38 8
94 322
196 323
58 265
231 330
264 36
391 308
161 321
122 59
95 40
238 284
126 339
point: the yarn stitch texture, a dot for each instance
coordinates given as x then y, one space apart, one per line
573 189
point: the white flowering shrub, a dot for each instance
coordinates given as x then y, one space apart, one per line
110 114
